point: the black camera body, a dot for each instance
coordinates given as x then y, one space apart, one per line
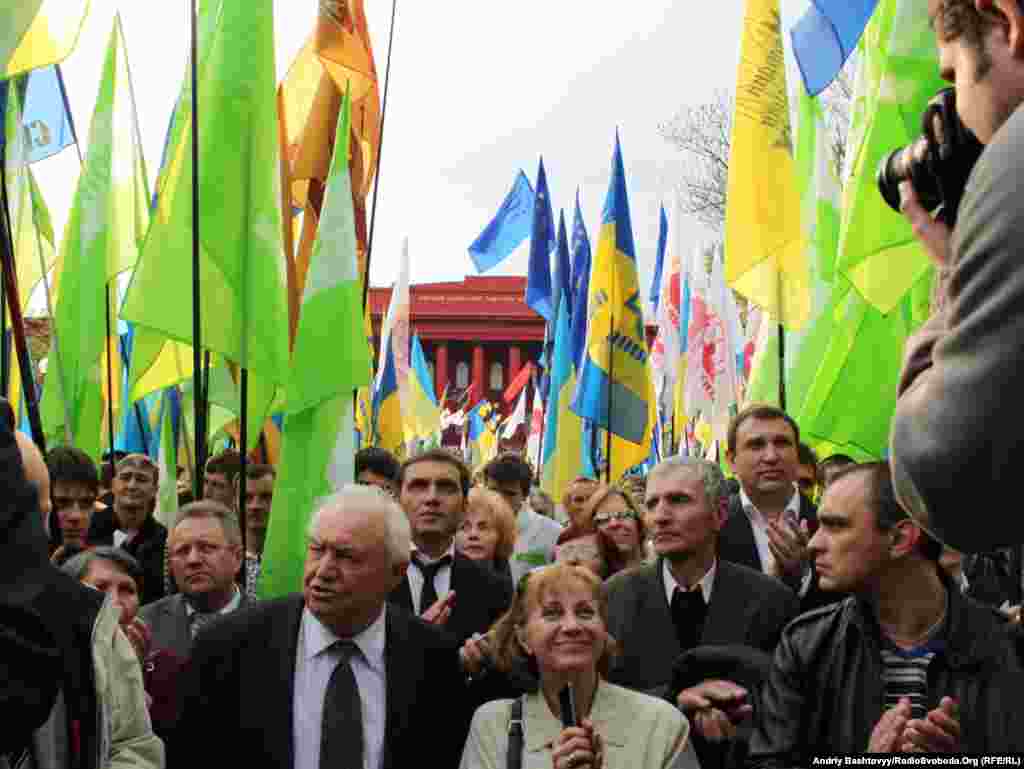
937 163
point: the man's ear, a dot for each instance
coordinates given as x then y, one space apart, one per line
1013 14
905 538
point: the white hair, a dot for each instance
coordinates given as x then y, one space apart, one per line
371 500
709 473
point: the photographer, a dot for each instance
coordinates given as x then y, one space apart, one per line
958 414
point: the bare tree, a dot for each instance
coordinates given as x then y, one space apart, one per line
703 133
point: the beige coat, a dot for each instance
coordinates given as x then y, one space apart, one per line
638 731
128 740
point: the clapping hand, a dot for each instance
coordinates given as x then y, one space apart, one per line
789 546
716 708
887 736
938 732
439 613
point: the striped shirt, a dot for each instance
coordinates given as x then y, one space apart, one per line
905 674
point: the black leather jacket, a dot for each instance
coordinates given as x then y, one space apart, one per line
825 692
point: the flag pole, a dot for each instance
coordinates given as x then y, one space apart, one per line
10 283
4 363
380 152
611 378
782 367
198 386
110 379
243 440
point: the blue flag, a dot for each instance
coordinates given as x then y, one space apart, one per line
825 36
509 227
580 283
45 118
659 259
542 242
563 271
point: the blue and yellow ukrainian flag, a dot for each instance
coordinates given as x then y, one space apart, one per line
563 430
481 439
423 415
387 409
615 388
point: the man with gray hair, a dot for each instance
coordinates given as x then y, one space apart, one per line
689 598
331 676
205 554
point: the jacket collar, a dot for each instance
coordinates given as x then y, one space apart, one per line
609 714
964 648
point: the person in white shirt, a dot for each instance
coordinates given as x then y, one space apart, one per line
511 477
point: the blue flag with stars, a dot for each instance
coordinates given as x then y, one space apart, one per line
542 243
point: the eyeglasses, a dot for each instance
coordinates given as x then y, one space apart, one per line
621 515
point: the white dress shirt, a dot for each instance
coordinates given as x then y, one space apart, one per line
442 580
314 664
707 582
759 525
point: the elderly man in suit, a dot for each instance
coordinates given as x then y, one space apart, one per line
442 586
690 597
205 548
334 677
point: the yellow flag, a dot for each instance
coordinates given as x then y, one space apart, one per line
38 33
765 258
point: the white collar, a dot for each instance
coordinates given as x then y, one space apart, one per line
707 582
428 560
234 603
371 641
793 506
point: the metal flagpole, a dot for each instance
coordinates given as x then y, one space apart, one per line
198 386
110 380
28 382
611 399
380 152
243 441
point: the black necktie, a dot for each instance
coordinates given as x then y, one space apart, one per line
341 730
688 612
428 594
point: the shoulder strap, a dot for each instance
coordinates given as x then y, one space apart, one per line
515 735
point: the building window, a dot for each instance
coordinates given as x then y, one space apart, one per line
462 375
497 376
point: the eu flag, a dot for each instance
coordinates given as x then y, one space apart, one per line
542 242
580 284
509 227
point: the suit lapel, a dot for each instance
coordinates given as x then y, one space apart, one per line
729 610
277 693
736 542
402 595
178 619
401 683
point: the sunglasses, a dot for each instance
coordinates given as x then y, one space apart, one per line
622 515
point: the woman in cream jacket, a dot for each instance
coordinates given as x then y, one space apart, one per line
557 627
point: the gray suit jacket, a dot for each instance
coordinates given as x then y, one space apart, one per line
167 620
959 412
747 607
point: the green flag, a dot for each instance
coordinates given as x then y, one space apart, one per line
241 266
898 75
331 359
105 228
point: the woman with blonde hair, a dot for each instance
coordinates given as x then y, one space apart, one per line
488 530
557 628
613 511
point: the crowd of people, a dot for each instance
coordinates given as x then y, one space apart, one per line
790 611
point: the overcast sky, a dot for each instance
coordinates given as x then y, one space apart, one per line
478 90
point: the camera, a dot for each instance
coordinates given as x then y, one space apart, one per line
937 163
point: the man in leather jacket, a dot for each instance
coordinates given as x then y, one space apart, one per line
906 663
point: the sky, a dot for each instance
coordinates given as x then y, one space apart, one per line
478 91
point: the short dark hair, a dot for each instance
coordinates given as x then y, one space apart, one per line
227 463
882 498
67 464
106 474
759 411
438 455
510 468
7 413
805 455
378 461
